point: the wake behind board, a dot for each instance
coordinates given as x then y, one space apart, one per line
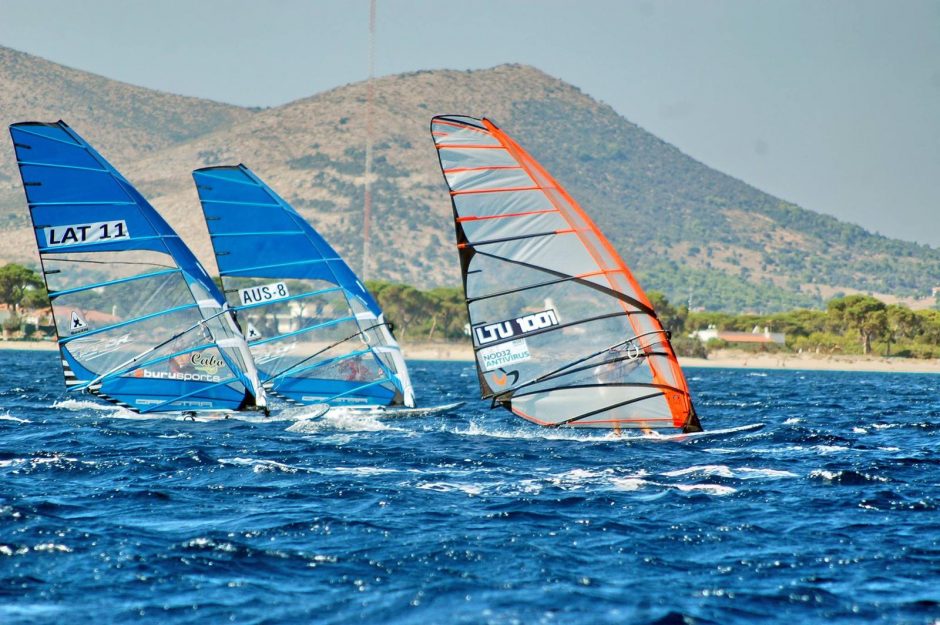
298 413
397 412
722 433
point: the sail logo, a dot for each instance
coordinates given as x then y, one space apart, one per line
264 293
207 363
79 234
252 334
499 356
77 323
176 375
520 326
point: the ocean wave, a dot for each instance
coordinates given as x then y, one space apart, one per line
721 470
262 466
846 477
8 417
347 421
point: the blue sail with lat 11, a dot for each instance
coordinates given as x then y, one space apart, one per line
138 320
316 334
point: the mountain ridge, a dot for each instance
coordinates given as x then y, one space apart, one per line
684 228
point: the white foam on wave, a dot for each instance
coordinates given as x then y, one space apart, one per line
472 490
634 484
109 410
52 547
792 421
721 470
262 466
629 483
345 420
363 471
202 542
830 449
562 434
710 489
9 417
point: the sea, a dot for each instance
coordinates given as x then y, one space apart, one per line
829 514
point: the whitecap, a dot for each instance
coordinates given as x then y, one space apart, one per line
9 417
52 547
711 489
339 419
261 466
709 469
444 487
628 483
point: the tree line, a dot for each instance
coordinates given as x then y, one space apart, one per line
854 324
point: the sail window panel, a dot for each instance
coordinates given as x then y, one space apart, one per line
569 301
536 355
204 365
561 405
618 280
71 185
666 370
512 226
306 299
311 344
479 179
70 270
488 275
353 368
511 203
452 158
104 306
102 351
559 253
575 217
616 366
599 249
453 133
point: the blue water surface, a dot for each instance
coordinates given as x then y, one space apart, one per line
827 515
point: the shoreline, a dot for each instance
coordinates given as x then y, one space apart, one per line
721 359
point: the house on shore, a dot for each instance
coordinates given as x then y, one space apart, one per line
757 336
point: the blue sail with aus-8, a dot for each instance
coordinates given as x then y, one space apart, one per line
315 332
138 320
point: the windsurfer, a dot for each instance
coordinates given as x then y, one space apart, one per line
354 369
180 362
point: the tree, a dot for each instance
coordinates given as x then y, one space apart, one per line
862 313
901 323
16 281
671 317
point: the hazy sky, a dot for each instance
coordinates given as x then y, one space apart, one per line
833 105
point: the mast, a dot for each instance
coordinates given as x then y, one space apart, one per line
370 96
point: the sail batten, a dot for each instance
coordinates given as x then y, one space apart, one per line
316 334
563 334
128 297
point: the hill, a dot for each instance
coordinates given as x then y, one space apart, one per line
686 229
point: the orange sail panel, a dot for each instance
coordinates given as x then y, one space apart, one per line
563 334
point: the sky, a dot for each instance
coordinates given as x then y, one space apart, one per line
833 105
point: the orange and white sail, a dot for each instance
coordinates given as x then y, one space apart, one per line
563 334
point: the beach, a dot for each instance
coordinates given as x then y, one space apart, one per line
726 358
